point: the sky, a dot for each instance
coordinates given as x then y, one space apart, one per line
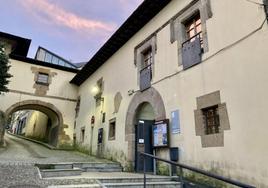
73 29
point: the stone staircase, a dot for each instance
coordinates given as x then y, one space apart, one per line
76 169
100 175
151 182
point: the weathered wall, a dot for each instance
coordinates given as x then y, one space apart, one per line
36 125
232 66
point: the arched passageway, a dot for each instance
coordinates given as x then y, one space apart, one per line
54 116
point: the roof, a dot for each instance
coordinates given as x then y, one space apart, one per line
41 63
22 44
80 64
53 54
139 18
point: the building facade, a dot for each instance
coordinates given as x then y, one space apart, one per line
185 75
199 64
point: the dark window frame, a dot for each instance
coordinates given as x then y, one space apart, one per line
112 122
211 120
147 60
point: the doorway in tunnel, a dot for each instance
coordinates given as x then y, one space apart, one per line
35 119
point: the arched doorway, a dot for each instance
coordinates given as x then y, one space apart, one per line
55 116
147 105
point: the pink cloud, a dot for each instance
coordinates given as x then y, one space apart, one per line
52 14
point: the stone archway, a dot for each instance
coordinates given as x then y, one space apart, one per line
49 109
150 96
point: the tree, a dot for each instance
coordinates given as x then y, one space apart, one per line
4 67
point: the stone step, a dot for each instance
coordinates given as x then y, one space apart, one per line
107 169
130 180
97 165
47 173
76 186
168 184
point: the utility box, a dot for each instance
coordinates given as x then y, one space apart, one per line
174 153
174 156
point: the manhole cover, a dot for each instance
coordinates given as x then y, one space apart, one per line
24 186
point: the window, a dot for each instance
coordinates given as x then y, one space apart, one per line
144 60
77 108
112 128
146 69
48 58
193 28
147 60
211 118
42 78
99 90
103 117
192 46
82 134
55 60
189 29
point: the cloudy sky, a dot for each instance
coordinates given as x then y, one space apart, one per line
73 29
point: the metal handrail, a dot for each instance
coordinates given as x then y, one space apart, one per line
146 67
197 34
183 166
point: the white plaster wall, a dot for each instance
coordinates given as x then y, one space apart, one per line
239 72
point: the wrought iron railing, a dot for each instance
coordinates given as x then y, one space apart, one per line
193 169
196 36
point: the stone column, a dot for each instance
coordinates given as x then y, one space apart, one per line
2 127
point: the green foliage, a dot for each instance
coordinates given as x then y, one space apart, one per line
203 180
66 146
4 67
162 169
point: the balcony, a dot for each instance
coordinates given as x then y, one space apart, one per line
145 77
191 51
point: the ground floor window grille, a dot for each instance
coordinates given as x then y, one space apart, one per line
211 118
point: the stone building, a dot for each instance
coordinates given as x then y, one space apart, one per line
201 65
187 75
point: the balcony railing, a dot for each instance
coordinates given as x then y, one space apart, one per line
192 50
145 77
193 169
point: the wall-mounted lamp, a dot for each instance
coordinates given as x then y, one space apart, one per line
95 90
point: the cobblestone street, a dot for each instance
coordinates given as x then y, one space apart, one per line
18 158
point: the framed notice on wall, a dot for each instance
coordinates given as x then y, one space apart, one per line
160 133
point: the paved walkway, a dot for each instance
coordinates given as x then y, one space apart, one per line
23 151
18 158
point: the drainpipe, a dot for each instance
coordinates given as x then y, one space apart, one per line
265 3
